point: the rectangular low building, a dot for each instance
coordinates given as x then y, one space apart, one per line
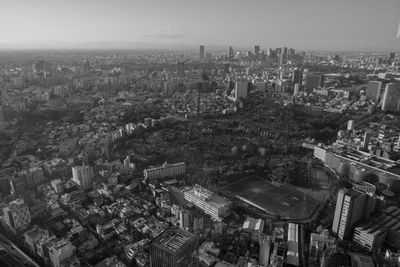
215 206
166 170
372 234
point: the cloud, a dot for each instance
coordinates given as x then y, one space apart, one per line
168 33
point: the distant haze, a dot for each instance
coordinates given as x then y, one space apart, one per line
367 25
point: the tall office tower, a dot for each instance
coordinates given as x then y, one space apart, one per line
313 81
60 250
208 57
181 69
296 76
283 56
171 248
202 52
392 56
230 52
81 176
349 210
373 90
365 143
241 89
350 125
256 50
391 97
291 53
270 54
16 215
296 89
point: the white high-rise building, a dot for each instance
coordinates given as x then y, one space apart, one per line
81 176
59 251
16 214
240 90
350 209
391 97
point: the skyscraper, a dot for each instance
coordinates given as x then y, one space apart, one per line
202 52
208 57
230 52
373 90
296 76
81 176
240 90
256 50
60 250
349 210
296 89
392 56
181 69
391 97
171 247
16 214
291 53
283 56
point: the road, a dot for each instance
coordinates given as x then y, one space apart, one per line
11 254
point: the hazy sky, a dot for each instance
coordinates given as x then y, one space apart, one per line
303 24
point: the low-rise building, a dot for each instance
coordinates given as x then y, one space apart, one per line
215 206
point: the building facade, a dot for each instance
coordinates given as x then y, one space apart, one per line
171 247
17 215
212 204
349 210
81 176
391 97
166 170
373 90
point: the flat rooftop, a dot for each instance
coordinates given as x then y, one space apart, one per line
208 196
173 239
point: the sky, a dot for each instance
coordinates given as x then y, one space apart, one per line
302 24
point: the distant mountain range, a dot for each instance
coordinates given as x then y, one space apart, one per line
392 45
112 45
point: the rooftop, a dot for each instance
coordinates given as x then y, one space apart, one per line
208 196
173 239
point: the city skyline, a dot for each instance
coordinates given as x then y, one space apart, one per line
307 25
